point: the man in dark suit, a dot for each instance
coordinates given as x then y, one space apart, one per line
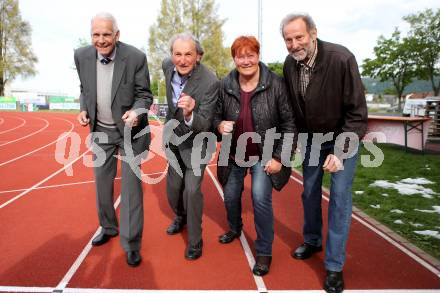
115 85
191 96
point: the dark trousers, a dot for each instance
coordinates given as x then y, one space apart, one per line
185 197
132 213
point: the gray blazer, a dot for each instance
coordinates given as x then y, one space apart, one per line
130 87
203 88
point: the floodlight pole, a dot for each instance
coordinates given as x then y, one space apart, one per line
260 26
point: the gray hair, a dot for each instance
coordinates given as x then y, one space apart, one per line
109 17
187 36
310 24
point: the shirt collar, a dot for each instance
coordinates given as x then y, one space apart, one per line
112 56
182 77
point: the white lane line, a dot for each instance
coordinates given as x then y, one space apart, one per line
40 148
72 290
30 134
42 181
247 251
242 291
68 276
25 289
51 186
95 290
8 130
363 291
98 290
405 250
72 183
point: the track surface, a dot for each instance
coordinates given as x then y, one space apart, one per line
48 219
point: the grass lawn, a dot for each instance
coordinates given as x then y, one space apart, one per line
378 202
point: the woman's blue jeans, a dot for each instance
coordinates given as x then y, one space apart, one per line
261 191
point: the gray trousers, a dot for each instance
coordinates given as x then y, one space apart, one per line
131 211
185 198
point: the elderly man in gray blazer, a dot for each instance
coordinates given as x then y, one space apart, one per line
115 86
191 97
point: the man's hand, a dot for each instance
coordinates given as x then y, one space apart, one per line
187 104
130 118
272 167
332 164
225 127
83 118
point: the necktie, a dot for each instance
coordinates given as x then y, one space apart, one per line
105 60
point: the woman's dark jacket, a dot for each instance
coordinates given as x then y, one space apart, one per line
270 108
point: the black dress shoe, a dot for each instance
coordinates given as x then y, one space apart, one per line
334 282
133 258
262 265
176 226
193 252
228 237
305 251
102 238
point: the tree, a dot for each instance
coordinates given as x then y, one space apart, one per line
198 17
425 31
82 42
276 67
394 61
158 89
16 56
390 91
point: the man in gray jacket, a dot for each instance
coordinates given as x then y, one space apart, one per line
191 96
115 83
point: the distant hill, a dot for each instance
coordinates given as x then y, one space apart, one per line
376 87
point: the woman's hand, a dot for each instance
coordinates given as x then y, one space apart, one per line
272 167
225 127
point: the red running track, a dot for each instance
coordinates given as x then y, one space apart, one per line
48 219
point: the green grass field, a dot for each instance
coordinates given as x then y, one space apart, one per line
379 202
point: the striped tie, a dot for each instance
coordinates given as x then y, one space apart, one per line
105 60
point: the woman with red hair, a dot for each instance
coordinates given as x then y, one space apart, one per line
252 100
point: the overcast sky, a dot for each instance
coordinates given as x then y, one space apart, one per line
58 25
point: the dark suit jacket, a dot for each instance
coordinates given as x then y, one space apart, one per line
130 88
202 86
